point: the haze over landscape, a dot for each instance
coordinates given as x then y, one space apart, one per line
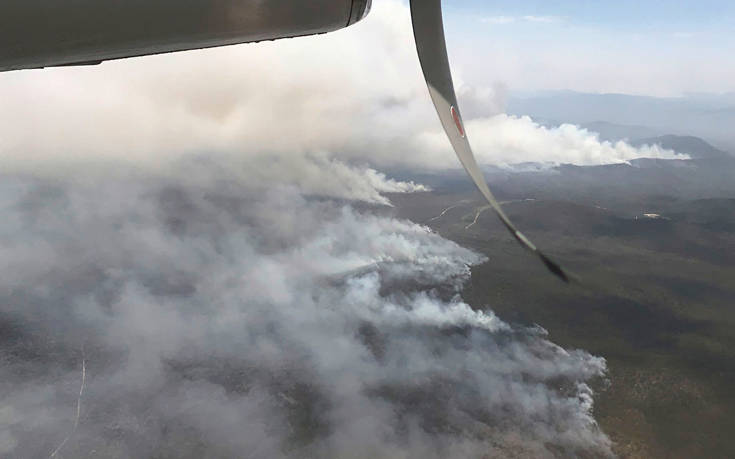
271 251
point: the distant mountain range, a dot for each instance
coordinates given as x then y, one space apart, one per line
614 132
617 116
695 147
709 174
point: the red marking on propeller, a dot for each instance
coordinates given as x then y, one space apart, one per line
457 121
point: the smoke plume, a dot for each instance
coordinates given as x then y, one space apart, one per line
180 240
216 319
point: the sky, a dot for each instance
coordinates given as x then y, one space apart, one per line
621 14
661 48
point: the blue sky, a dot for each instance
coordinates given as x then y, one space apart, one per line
651 47
625 14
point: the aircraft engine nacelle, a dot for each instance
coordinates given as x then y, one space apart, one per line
79 32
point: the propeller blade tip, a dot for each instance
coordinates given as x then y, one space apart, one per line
555 268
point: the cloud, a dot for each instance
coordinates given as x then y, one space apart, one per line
498 19
541 19
217 319
502 20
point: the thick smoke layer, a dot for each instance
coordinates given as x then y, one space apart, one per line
357 94
219 320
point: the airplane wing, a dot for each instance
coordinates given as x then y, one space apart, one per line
428 31
48 33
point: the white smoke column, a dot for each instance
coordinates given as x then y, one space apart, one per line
507 140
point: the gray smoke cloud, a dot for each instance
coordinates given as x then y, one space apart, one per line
357 94
222 317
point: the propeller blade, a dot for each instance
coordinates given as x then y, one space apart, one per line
428 30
